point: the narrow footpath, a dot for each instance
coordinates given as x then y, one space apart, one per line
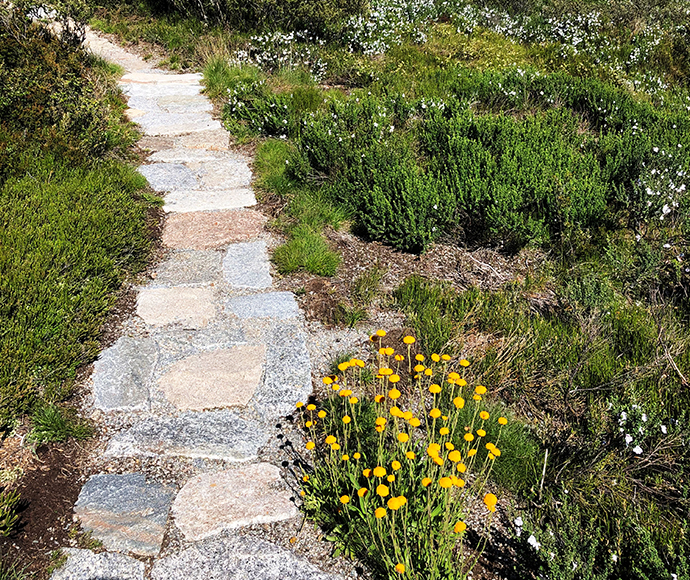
209 362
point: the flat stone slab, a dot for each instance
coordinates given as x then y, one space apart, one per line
212 139
236 558
155 91
221 378
207 230
246 265
219 435
123 373
190 267
160 77
190 307
177 344
287 379
86 565
278 305
124 512
169 176
230 173
180 155
114 53
176 123
182 201
213 502
185 104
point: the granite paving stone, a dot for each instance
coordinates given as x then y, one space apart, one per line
185 201
87 565
185 104
246 265
207 230
180 155
175 345
161 77
212 139
287 377
190 307
169 176
122 374
213 502
176 123
279 305
220 378
125 512
230 173
221 435
155 91
237 558
189 267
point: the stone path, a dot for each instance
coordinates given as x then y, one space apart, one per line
211 360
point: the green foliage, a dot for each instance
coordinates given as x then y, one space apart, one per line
306 249
53 423
9 501
11 570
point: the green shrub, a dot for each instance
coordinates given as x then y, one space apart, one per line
9 501
51 424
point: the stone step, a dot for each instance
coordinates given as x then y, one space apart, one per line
210 380
236 558
189 267
213 502
207 230
122 375
182 305
184 155
125 512
232 172
86 565
221 435
246 266
176 123
183 201
157 91
169 176
161 77
277 305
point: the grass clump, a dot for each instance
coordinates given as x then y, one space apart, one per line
393 463
53 424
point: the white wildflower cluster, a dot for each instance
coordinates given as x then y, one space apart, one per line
664 183
278 50
638 428
388 23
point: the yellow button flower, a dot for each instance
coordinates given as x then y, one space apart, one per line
409 340
481 432
311 407
305 478
345 457
378 398
438 460
347 419
418 368
445 357
385 371
491 456
502 421
380 421
454 376
464 363
344 499
415 422
448 445
327 380
433 449
403 437
362 491
461 467
321 414
410 455
356 456
469 437
455 456
444 431
380 512
389 351
354 400
366 472
300 404
484 415
308 424
471 453
330 440
435 413
382 490
435 357
381 333
459 402
399 357
477 397
396 465
396 412
426 482
480 389
390 478
435 389
459 527
394 378
445 482
407 415
335 446
393 504
379 471
310 445
400 568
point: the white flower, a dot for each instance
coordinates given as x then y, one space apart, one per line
663 429
614 557
637 450
532 541
628 439
518 521
644 417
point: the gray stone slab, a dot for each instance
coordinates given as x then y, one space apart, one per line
179 344
154 91
183 201
213 502
278 305
123 373
177 123
169 176
144 104
185 104
180 155
125 512
160 77
190 267
191 307
236 558
287 378
86 565
246 265
220 435
230 173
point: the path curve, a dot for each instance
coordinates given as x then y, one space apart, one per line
211 359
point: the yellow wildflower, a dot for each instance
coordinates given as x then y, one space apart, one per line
459 402
403 437
379 471
435 389
347 419
330 440
382 490
445 482
502 421
321 414
410 455
481 432
380 512
391 478
464 363
460 527
484 415
366 472
311 445
455 456
480 390
415 422
444 431
344 499
394 378
362 491
426 482
400 568
409 340
311 407
300 404
381 333
435 357
435 413
396 465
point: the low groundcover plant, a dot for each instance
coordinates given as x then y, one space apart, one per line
396 456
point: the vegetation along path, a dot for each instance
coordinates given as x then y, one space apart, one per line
209 333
